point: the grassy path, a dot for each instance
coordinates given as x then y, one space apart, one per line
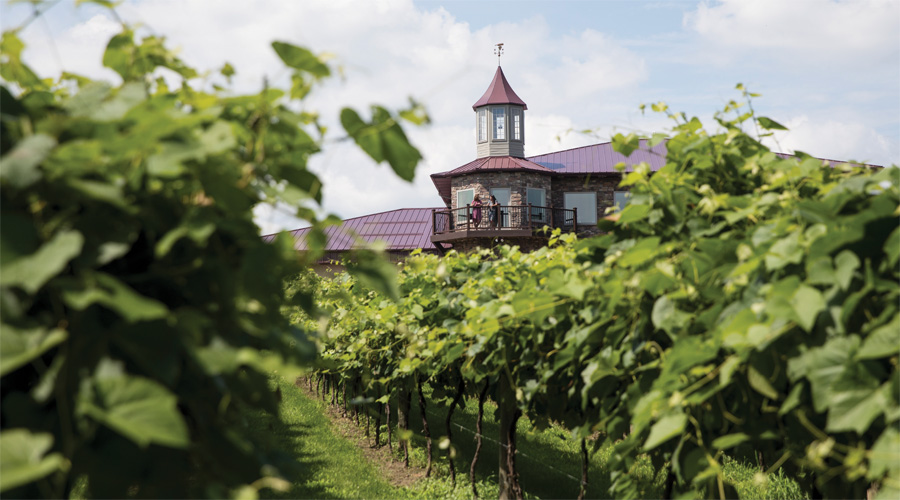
328 465
331 459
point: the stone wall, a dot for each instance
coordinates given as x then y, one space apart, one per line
526 244
517 182
602 184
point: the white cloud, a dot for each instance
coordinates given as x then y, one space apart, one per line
389 50
78 49
833 140
856 31
572 79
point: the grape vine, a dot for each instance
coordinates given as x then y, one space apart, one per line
743 303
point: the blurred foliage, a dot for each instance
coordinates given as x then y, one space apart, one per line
141 311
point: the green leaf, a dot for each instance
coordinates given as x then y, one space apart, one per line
669 426
20 346
382 140
855 410
685 354
760 383
24 458
785 251
374 272
845 264
625 145
127 97
101 191
643 251
730 441
892 247
884 457
32 271
657 138
666 316
792 400
300 58
138 408
197 226
218 138
120 53
823 366
20 166
100 288
769 124
807 303
884 341
633 212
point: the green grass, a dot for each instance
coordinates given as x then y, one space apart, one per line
328 466
549 463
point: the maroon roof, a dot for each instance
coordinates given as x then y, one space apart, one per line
493 163
601 159
404 229
499 92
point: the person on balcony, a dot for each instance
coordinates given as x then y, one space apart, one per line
494 213
476 211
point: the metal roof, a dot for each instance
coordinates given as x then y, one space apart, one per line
489 163
601 159
499 92
404 229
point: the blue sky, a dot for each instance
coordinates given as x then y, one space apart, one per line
829 70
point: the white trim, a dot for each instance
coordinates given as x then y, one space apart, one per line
461 215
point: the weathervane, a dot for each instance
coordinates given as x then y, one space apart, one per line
498 52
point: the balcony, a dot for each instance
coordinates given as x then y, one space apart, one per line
514 221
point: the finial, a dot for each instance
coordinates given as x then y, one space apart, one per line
498 52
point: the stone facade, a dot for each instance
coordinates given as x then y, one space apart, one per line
517 182
555 187
605 185
526 244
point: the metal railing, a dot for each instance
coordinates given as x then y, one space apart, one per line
505 218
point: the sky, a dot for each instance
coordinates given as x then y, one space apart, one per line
828 70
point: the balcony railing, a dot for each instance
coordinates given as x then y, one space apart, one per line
511 218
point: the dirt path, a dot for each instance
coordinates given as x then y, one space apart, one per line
392 470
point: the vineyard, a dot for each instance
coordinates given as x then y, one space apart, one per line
742 305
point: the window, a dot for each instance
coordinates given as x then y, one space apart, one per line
502 195
535 197
620 199
482 125
586 203
517 125
499 115
463 197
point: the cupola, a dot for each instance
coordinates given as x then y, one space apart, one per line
500 120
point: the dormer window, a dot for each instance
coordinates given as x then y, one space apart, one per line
482 125
499 115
